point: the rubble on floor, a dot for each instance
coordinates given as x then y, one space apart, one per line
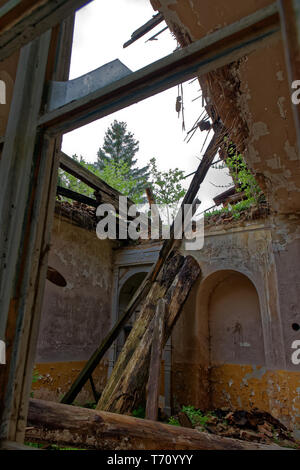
253 426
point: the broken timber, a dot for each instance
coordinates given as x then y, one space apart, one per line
143 290
108 194
21 22
153 386
145 287
209 53
50 422
125 387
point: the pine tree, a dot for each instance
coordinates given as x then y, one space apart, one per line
121 146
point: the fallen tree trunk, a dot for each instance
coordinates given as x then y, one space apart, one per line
66 425
126 384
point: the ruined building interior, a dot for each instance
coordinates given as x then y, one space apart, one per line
70 302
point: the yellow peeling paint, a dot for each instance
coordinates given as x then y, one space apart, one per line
57 378
246 387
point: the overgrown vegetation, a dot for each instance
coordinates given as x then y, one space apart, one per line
117 166
197 417
140 412
234 210
35 378
243 179
49 446
244 182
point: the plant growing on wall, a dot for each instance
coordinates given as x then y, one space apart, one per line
243 179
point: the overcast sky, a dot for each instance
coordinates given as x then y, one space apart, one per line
101 28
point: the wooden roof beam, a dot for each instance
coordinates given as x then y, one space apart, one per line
209 53
23 21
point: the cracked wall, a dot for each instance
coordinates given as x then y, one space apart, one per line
252 96
75 318
232 343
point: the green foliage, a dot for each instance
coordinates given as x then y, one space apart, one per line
35 378
34 444
234 210
243 179
116 165
167 187
117 175
120 147
196 416
50 447
71 182
90 405
173 421
140 412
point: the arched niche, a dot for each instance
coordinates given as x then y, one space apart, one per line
218 342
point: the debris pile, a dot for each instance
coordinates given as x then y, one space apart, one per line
222 217
80 214
253 426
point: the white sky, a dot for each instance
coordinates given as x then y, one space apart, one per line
101 28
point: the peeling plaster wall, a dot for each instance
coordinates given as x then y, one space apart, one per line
243 278
253 96
75 318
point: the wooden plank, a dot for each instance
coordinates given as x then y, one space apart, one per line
92 429
23 21
290 25
213 51
17 182
125 387
140 32
108 194
68 193
153 386
28 177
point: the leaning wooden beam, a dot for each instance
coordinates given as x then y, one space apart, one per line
68 193
153 386
209 53
140 32
21 22
145 287
65 425
126 386
29 166
20 201
108 194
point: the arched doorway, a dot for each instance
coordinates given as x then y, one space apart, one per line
126 293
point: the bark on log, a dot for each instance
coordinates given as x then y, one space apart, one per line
67 425
153 386
126 384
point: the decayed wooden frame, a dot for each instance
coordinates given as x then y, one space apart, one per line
29 174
